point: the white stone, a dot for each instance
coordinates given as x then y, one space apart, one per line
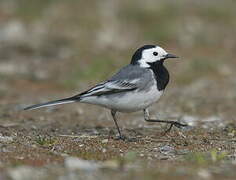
73 163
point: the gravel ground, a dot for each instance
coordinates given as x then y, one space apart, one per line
51 50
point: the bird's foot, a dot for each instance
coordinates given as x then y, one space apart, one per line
123 138
176 124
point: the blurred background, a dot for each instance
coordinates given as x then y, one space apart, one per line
51 49
54 48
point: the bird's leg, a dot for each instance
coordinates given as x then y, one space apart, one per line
172 123
113 113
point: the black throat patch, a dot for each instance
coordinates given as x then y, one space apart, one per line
161 74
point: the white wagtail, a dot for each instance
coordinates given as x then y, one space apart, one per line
134 87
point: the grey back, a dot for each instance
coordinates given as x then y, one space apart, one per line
143 77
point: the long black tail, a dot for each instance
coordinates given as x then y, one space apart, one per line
54 103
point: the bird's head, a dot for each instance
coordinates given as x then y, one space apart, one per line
149 54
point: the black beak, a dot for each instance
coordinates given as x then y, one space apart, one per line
170 56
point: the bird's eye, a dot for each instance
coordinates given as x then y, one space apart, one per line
155 53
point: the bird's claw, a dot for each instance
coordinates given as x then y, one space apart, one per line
123 138
176 124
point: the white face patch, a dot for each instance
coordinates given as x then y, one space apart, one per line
152 55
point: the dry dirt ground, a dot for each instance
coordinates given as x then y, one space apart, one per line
54 49
54 143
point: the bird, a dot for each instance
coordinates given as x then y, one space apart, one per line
135 87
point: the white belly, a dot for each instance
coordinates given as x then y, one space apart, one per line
127 102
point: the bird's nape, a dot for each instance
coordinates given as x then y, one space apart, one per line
138 53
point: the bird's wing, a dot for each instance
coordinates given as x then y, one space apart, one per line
126 79
110 87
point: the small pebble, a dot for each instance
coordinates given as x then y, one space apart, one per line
204 174
104 150
105 141
167 149
6 139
